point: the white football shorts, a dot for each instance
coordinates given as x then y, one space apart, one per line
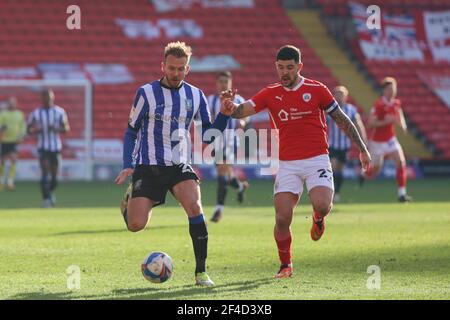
378 150
315 171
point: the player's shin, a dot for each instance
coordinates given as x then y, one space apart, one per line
401 180
53 183
2 166
221 190
199 235
45 187
284 241
12 173
319 215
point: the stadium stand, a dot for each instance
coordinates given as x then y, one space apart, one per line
243 33
427 113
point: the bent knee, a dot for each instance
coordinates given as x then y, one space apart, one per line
322 208
194 208
135 226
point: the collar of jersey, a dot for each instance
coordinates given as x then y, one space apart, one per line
297 86
164 86
389 103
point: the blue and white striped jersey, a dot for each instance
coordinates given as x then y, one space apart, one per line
337 139
46 119
214 105
163 117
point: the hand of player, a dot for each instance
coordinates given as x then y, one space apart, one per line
35 129
227 107
227 95
364 157
123 175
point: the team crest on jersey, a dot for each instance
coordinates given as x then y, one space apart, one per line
306 97
188 103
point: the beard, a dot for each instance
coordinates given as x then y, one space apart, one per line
291 82
173 82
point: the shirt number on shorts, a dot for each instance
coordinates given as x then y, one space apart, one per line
185 168
323 173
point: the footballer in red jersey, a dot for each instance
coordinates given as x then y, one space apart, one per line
297 107
383 142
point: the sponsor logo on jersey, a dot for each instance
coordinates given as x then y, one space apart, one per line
283 115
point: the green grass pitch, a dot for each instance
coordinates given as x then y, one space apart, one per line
410 243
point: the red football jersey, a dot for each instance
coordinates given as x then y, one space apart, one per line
299 115
381 108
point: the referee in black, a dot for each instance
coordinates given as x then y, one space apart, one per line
48 122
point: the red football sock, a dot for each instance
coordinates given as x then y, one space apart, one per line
401 176
284 247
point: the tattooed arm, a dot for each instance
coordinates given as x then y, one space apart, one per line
357 121
243 110
346 125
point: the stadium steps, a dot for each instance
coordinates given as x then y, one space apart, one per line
316 35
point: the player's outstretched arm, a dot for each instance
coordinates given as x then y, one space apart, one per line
402 121
360 126
346 125
240 111
243 110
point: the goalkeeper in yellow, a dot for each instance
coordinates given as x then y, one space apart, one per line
12 131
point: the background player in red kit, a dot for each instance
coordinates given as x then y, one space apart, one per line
297 107
383 141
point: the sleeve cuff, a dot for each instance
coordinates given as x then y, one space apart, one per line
333 106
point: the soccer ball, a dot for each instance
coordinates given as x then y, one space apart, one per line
157 267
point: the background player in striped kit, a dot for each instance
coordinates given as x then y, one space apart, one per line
157 152
338 142
12 131
225 173
47 122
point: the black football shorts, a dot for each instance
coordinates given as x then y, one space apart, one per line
153 182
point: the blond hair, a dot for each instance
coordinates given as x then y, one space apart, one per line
342 89
388 81
178 49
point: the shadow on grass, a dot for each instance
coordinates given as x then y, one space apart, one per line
151 293
121 230
188 291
